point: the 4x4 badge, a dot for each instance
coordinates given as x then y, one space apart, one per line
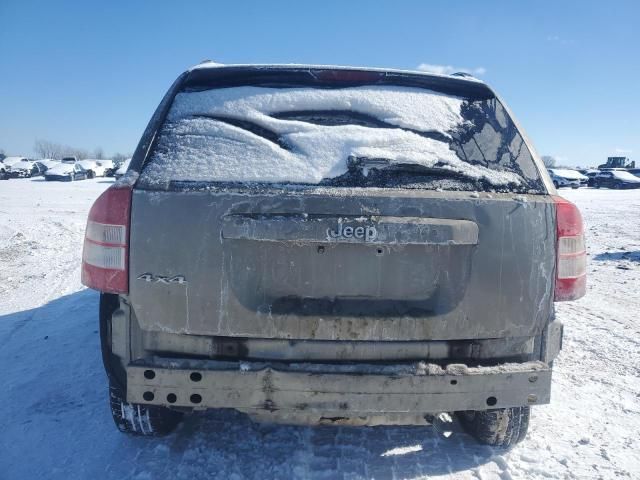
151 278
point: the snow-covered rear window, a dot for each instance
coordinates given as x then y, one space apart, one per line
383 136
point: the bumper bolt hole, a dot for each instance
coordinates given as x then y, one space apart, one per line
195 398
149 374
195 376
148 396
171 398
491 401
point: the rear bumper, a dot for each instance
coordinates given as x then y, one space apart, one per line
332 390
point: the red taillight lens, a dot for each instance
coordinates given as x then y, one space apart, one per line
105 256
571 269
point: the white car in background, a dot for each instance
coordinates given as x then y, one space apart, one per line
27 168
123 168
10 161
67 172
4 171
564 177
96 167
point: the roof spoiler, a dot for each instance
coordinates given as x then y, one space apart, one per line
282 76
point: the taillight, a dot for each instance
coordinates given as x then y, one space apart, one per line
571 268
105 256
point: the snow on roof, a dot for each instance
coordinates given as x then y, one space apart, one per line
567 173
625 175
12 160
194 146
60 169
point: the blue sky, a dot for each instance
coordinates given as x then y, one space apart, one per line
90 74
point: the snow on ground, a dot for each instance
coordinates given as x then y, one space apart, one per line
55 422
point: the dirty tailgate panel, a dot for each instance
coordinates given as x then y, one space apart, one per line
379 265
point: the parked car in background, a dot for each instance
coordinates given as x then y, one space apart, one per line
10 161
564 177
67 172
616 179
106 165
339 267
122 169
96 168
4 174
111 172
591 176
69 160
27 169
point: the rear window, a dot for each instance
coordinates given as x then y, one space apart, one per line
381 136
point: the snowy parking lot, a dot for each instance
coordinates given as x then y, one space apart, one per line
56 423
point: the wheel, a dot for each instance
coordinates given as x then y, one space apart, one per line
90 174
555 184
502 427
141 420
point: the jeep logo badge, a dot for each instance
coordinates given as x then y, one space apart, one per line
368 233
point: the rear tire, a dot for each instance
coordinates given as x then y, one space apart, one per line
501 427
141 420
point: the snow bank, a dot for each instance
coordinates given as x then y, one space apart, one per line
194 147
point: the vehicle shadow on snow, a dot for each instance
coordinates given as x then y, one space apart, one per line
63 367
251 450
632 256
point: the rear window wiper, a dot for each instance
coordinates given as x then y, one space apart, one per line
357 163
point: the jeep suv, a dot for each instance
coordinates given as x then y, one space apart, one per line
328 245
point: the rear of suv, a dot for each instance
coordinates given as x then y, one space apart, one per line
328 245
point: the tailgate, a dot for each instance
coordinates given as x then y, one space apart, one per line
365 265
